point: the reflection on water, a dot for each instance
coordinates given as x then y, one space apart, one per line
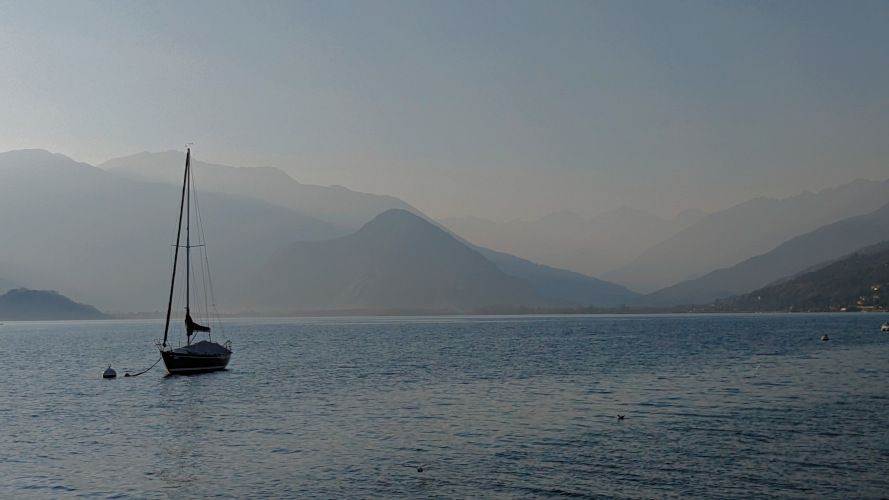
715 407
179 457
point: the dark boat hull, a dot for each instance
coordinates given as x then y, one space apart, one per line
179 363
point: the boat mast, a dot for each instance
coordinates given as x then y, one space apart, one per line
188 241
176 253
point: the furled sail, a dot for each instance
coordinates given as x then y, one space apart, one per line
191 326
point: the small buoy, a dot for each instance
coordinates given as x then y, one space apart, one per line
127 374
824 337
109 373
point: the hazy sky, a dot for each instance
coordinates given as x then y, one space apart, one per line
503 110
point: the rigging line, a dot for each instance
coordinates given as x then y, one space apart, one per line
202 253
178 315
205 264
199 222
211 292
207 280
205 274
207 283
199 229
213 297
200 287
202 311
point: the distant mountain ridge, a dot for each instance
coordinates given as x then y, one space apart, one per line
335 205
856 282
572 288
727 237
826 243
398 261
103 235
22 304
106 240
568 241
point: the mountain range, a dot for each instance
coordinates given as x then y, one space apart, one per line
646 253
106 240
397 262
335 205
568 241
105 236
727 237
22 304
816 247
859 281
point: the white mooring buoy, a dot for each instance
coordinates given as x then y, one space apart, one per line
109 373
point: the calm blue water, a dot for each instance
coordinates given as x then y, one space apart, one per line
729 406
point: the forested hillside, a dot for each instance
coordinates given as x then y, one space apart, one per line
858 282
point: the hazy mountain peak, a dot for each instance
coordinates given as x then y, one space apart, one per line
725 238
394 219
398 260
33 167
849 186
563 217
811 249
34 157
22 304
569 241
167 167
33 153
625 214
397 228
394 215
335 204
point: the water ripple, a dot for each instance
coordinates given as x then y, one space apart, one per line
715 406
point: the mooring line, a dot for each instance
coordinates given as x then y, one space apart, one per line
149 368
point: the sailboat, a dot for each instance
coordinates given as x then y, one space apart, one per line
204 355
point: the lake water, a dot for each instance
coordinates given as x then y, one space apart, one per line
722 406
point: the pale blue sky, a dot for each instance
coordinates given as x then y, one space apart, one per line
502 110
